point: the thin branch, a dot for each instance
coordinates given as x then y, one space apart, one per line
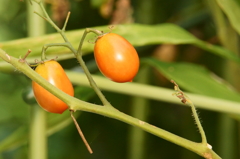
87 30
41 16
46 46
80 132
66 21
88 74
186 100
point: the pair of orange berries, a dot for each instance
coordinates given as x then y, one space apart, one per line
115 56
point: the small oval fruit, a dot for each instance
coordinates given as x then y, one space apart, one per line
53 72
116 58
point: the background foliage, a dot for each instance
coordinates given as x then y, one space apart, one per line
194 42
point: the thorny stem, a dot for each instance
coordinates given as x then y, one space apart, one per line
199 125
80 132
186 100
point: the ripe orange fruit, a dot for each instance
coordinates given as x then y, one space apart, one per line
116 58
53 72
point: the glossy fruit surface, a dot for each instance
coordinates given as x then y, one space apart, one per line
53 72
116 58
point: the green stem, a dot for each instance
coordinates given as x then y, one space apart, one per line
152 92
49 20
226 129
92 82
65 23
87 30
36 26
62 32
199 125
47 16
84 67
140 109
46 46
38 138
184 99
76 104
38 142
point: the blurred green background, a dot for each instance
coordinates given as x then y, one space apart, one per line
205 20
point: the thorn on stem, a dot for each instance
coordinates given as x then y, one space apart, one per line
55 58
81 133
8 57
93 41
22 60
209 146
179 93
111 28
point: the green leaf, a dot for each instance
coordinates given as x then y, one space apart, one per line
232 10
140 35
137 34
195 78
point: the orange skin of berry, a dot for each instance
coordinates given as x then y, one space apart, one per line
116 58
53 72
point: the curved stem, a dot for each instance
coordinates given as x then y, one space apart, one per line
46 46
87 30
76 104
84 67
